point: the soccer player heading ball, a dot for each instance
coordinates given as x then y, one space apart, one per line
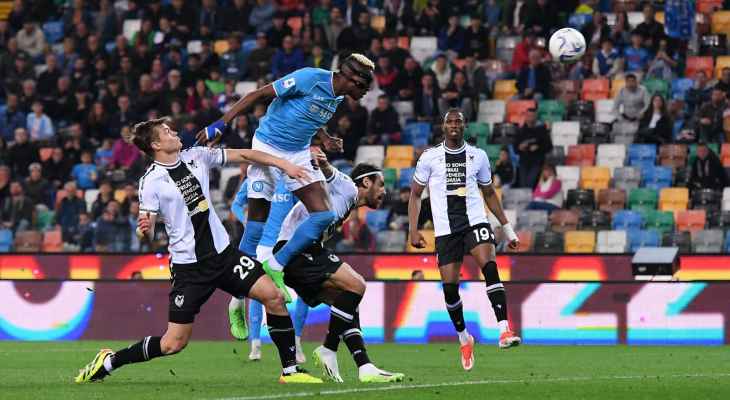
455 173
304 101
175 188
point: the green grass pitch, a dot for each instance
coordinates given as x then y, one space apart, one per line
220 370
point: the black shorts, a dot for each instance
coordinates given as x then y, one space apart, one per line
451 248
193 284
306 272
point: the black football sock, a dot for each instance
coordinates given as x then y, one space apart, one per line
144 350
495 290
342 317
453 305
356 345
281 331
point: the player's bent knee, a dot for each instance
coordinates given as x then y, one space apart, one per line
172 345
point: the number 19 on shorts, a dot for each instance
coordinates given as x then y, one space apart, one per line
482 234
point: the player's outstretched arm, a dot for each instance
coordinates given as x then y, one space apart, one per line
261 158
414 210
495 206
216 130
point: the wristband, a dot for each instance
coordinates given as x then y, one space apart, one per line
215 129
509 232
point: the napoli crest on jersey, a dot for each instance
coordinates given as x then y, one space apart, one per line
257 186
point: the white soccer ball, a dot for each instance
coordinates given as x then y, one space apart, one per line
567 45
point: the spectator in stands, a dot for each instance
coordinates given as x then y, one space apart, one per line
233 62
125 116
442 71
68 55
82 234
261 15
4 182
181 17
259 61
664 62
46 82
133 239
279 30
17 210
21 153
5 33
235 17
106 194
651 30
710 117
636 56
504 172
384 123
287 59
124 154
210 20
681 123
97 123
724 82
334 28
69 208
655 125
57 168
542 17
451 37
75 143
707 171
458 94
37 188
596 32
350 140
398 218
430 20
425 103
318 58
607 62
31 39
11 118
533 81
632 100
409 79
515 15
85 173
476 39
385 75
699 93
532 143
146 97
15 66
106 232
29 94
548 194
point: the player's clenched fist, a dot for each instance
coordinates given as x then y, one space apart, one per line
417 240
143 224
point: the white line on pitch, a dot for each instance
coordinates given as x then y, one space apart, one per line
335 392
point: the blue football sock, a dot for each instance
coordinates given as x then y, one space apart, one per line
300 316
255 318
306 234
251 237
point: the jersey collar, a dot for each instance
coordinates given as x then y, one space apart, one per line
452 151
168 166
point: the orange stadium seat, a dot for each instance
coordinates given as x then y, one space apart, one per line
695 63
564 220
673 155
673 199
28 241
580 241
595 178
581 155
525 243
120 195
52 241
611 199
399 156
595 89
404 42
220 46
567 91
725 154
720 63
720 22
616 85
709 6
505 89
430 238
690 220
516 110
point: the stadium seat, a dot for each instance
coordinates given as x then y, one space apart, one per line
643 199
706 199
371 154
661 221
516 198
391 241
595 133
626 220
611 155
682 240
44 218
720 22
406 176
504 133
567 91
726 199
595 89
713 147
595 220
604 111
698 63
580 241
642 155
579 20
550 111
656 178
525 242
718 219
725 155
492 111
492 151
506 47
624 132
52 242
595 178
423 48
130 27
565 133
582 155
516 110
548 242
6 240
611 242
430 238
90 196
28 241
564 220
377 220
556 156
642 238
582 199
726 246
673 155
617 84
707 241
656 86
53 30
220 47
532 220
418 134
673 199
569 177
390 177
680 87
691 220
611 199
405 111
709 6
505 89
242 88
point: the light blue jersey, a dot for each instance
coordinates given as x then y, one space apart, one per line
281 204
305 101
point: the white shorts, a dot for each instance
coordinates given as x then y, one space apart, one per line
262 180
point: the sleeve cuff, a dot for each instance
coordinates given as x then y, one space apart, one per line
418 181
223 156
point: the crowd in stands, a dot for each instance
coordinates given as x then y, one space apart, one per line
641 119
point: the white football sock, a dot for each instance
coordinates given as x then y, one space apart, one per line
463 337
274 265
503 326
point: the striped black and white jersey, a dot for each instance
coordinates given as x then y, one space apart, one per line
342 192
179 194
453 178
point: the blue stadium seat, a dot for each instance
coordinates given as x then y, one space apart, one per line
248 45
578 21
726 247
625 220
417 134
642 238
680 87
406 175
6 240
377 220
53 30
656 178
642 155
